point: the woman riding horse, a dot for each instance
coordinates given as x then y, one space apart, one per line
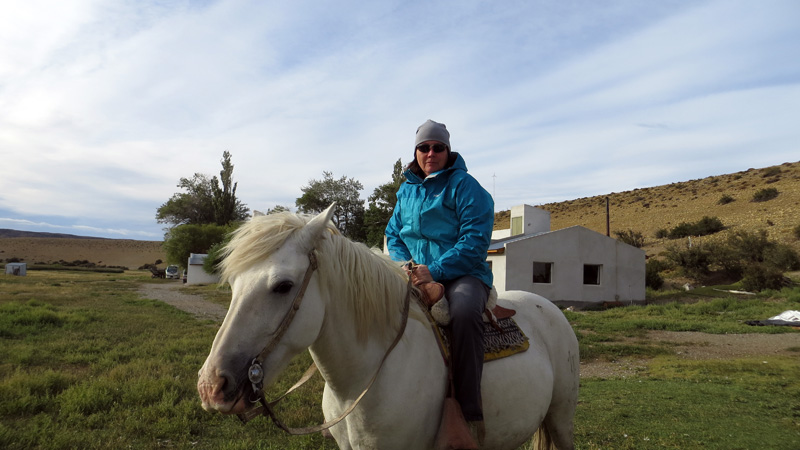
443 221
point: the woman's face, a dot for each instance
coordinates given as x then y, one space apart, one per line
429 159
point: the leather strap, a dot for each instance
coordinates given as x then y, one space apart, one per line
265 407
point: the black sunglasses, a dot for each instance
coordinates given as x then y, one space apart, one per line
437 148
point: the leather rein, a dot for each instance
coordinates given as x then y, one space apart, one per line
255 373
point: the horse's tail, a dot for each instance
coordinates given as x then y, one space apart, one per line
542 439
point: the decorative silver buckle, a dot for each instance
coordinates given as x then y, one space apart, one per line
256 376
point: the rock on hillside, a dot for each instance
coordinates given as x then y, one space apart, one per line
648 210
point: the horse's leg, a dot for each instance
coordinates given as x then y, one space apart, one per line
560 416
559 422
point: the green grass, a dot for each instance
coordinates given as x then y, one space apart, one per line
621 332
735 404
86 363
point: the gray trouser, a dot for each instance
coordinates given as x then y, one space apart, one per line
467 296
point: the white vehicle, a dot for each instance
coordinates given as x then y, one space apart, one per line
172 272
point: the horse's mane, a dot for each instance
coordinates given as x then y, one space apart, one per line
369 284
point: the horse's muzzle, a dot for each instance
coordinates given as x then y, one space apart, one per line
220 391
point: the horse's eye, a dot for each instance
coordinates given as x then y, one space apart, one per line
283 287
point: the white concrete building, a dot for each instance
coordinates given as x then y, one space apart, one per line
195 273
571 266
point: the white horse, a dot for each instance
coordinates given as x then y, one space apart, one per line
350 314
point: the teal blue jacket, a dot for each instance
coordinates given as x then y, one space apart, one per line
444 221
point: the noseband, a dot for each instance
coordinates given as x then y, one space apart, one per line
255 373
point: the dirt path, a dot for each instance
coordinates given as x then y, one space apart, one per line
193 304
687 345
693 345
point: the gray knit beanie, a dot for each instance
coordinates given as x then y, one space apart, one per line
433 131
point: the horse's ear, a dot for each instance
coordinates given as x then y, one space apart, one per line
315 228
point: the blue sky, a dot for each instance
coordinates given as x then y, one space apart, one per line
105 105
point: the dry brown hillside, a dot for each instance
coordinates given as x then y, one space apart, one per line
109 252
647 210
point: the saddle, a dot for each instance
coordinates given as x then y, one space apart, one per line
502 336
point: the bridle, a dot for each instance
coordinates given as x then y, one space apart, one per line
255 373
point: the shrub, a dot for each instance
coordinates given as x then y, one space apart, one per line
797 232
727 258
770 172
765 194
694 261
183 240
705 226
749 246
725 199
759 277
782 257
661 233
652 277
630 237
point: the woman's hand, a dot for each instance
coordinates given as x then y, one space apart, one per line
420 275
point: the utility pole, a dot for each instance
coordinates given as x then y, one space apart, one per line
494 189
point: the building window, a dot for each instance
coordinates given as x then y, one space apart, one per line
591 274
516 225
542 272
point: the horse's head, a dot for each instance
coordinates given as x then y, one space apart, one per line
266 263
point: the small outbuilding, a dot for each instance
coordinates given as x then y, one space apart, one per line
195 273
19 269
571 266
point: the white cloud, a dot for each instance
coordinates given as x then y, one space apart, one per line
105 105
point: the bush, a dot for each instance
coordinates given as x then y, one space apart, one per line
727 258
630 237
796 232
705 226
750 247
663 233
694 261
183 240
782 257
215 257
725 199
759 277
652 277
765 194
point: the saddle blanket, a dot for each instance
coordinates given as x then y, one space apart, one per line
498 343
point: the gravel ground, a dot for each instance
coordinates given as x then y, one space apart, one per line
687 345
193 304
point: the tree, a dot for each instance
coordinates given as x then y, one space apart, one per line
202 215
381 207
204 200
183 240
278 209
349 214
227 208
193 206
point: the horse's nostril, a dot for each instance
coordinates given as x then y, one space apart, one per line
227 385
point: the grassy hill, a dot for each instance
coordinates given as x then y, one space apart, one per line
648 210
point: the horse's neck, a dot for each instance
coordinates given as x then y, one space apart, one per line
343 359
348 363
